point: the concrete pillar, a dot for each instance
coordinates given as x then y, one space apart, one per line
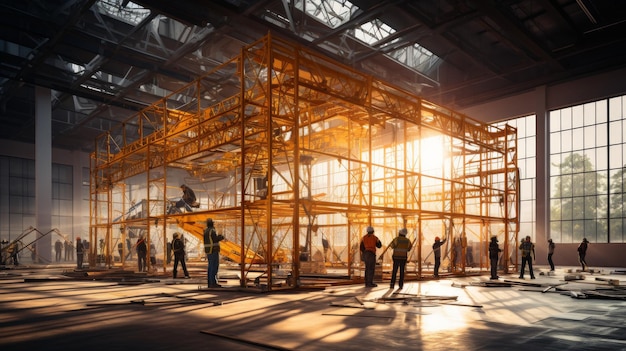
43 172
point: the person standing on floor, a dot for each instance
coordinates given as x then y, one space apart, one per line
80 250
437 253
72 250
58 250
368 246
458 257
120 250
178 246
142 252
129 247
469 255
326 247
401 246
33 253
453 255
169 253
152 256
212 250
13 252
494 252
527 249
551 247
582 252
67 246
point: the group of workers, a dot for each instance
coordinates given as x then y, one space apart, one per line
401 247
211 249
527 253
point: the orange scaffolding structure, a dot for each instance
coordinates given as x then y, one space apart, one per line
293 155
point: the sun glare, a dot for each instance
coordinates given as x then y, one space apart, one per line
431 154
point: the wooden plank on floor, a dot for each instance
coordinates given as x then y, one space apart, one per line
246 341
492 284
522 282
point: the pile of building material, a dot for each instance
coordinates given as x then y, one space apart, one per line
574 284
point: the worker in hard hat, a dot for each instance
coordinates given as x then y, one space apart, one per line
401 246
437 253
187 201
494 252
368 246
212 250
527 249
178 246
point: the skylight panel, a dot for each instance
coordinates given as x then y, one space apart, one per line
373 31
126 11
416 56
333 13
77 69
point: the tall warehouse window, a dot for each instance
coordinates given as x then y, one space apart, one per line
587 151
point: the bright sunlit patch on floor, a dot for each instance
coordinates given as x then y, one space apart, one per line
444 320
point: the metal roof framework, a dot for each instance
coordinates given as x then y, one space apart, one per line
107 59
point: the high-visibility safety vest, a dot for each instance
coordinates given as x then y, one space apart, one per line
370 243
209 244
527 248
401 246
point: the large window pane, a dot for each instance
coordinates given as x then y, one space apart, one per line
555 120
589 137
578 230
18 197
578 116
586 196
578 139
601 135
616 133
555 231
615 109
555 143
566 209
578 208
590 204
566 119
531 148
601 111
616 151
555 161
566 141
556 210
589 114
602 158
567 232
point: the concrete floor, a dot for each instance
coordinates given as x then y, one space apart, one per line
41 309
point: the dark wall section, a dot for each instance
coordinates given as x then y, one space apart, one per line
598 255
557 96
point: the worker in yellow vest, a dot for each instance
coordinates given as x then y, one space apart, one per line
212 250
401 246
